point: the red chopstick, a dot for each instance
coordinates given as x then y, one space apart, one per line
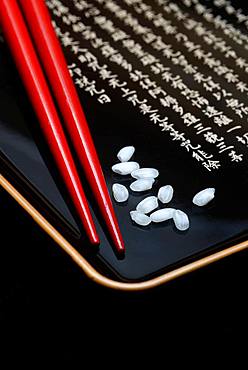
53 60
19 41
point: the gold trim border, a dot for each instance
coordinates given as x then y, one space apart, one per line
91 272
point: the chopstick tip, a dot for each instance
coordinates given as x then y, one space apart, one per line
120 246
94 239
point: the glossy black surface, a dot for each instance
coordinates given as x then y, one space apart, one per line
151 250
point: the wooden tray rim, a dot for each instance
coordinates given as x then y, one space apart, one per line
95 275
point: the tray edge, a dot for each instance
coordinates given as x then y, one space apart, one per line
96 276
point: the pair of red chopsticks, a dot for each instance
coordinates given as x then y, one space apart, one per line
28 29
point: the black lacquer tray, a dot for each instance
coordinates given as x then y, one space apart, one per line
154 254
